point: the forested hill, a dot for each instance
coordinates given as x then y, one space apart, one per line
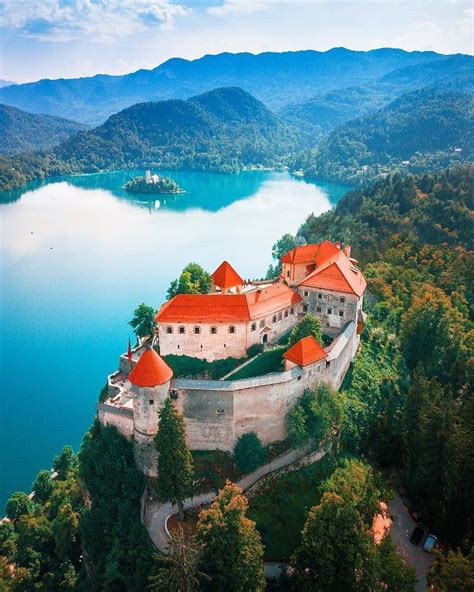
423 127
277 79
20 130
225 129
434 208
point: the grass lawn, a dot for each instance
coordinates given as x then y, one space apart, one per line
280 507
265 363
189 367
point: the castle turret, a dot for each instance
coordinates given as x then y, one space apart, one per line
150 379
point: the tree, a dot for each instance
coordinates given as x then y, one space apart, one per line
43 486
249 452
193 280
394 574
19 505
175 462
309 325
143 321
452 573
232 553
337 552
65 461
180 571
65 530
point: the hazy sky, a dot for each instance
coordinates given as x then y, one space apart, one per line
69 38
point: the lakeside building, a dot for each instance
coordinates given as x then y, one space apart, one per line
321 279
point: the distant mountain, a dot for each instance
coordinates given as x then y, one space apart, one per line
422 130
224 129
277 79
5 83
20 130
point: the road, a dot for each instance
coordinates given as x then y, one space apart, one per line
402 527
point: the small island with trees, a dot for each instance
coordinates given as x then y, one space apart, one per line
152 184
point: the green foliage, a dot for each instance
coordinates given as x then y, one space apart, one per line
42 486
64 462
164 185
452 573
231 552
212 468
394 573
318 417
143 321
117 544
175 462
249 452
193 280
280 505
265 363
19 504
255 349
309 325
189 367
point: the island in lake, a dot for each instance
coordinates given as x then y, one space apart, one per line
152 184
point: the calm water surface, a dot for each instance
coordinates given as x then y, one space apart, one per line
77 254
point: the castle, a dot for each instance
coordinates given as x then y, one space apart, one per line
322 279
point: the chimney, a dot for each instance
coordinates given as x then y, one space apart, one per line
347 250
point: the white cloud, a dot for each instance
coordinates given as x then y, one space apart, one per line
230 7
65 20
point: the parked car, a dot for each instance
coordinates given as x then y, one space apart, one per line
416 535
430 543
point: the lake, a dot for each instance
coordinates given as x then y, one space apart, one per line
77 256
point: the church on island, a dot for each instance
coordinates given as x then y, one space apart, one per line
321 279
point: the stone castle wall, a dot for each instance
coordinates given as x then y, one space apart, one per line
218 412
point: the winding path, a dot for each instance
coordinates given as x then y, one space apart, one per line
156 513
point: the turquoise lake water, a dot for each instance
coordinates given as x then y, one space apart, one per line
77 254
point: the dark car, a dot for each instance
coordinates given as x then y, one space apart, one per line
416 535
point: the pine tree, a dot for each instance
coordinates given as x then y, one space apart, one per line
175 463
232 551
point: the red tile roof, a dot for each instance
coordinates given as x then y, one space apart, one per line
209 308
305 351
337 274
150 370
308 254
226 277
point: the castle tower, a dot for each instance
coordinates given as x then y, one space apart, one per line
150 379
225 277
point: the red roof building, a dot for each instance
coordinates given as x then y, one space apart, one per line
225 277
305 351
150 370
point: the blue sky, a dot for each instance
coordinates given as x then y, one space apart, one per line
70 38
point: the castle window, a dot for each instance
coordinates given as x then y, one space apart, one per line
288 273
341 313
197 330
151 402
306 293
182 330
292 310
305 308
320 296
274 318
286 313
342 299
280 316
169 329
174 395
253 326
213 330
328 364
178 346
318 309
262 324
329 310
231 328
220 411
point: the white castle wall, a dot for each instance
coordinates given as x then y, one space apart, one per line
217 412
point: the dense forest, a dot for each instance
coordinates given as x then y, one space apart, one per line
423 130
23 131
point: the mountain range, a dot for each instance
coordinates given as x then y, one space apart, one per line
277 79
5 83
29 131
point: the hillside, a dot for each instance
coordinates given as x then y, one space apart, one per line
20 130
225 129
423 127
5 83
277 79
